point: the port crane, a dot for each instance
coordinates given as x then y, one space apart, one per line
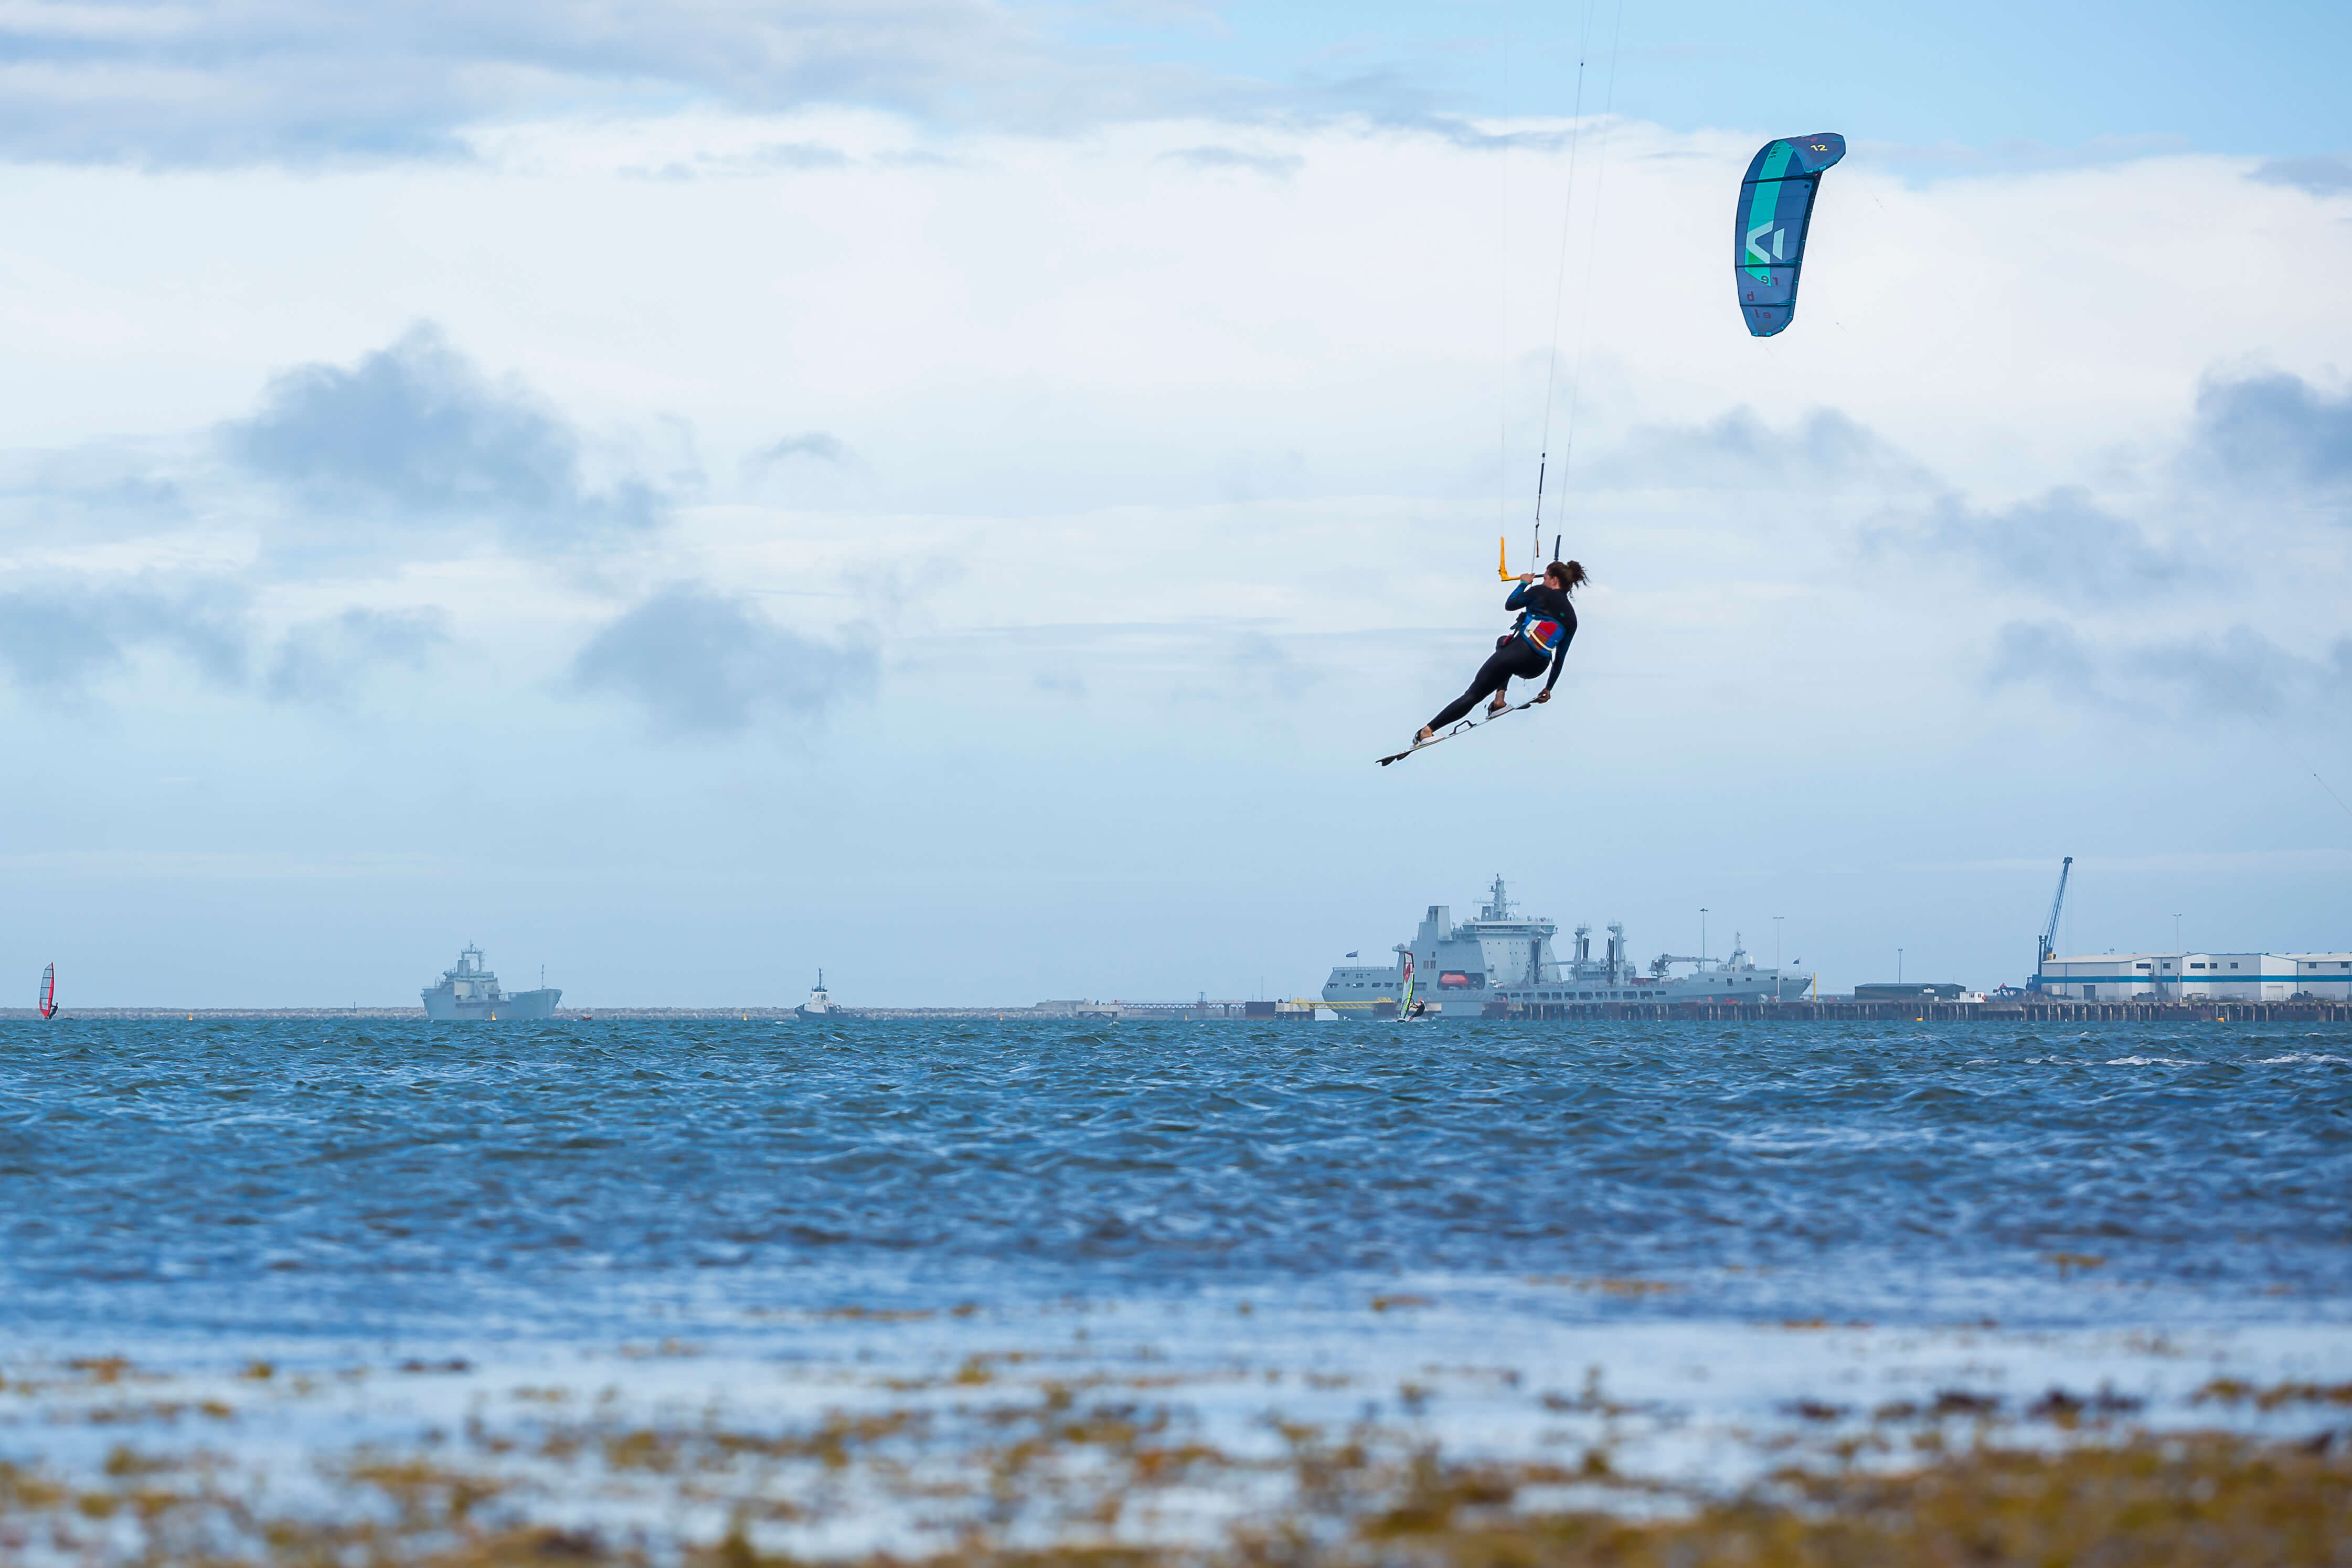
2048 948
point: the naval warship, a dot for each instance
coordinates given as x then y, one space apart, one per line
470 991
1505 957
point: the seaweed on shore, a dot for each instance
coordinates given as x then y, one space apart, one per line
2171 1501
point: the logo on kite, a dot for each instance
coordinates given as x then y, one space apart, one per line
1776 208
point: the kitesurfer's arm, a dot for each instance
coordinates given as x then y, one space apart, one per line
1559 655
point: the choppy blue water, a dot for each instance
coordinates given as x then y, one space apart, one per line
612 1178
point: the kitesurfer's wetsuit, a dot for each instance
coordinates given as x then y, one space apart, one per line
1547 626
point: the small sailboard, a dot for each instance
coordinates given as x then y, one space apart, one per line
49 992
1464 728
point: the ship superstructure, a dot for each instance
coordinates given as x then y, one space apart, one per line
471 992
1504 958
819 1005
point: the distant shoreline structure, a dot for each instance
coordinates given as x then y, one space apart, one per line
1825 1009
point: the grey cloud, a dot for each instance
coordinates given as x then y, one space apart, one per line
55 639
2242 667
1273 166
209 82
323 662
2045 652
800 155
2062 544
2327 174
415 433
704 663
102 491
2239 672
52 647
2276 431
813 444
804 156
1824 449
1953 160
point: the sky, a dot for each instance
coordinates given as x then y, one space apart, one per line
959 494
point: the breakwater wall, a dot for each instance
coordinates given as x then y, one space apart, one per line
1302 1010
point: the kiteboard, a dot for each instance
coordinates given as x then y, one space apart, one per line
1464 728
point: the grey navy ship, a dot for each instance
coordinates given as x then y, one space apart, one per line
1504 957
470 991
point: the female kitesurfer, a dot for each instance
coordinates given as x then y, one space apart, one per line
1547 625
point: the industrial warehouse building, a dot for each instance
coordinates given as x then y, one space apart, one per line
2179 977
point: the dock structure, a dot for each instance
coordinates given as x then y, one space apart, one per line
2001 1009
2028 1010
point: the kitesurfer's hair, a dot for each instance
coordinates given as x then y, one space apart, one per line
1569 572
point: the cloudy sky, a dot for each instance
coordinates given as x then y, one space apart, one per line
960 493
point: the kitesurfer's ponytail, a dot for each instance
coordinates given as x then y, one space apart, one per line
1569 572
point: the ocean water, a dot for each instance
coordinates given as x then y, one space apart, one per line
571 1178
1695 1244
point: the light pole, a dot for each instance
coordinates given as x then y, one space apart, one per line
2178 957
1701 935
1775 955
1898 966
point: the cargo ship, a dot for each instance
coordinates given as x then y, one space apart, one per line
470 991
1504 958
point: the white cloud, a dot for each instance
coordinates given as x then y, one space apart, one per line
1169 493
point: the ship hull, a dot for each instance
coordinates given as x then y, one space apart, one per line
521 1007
1368 997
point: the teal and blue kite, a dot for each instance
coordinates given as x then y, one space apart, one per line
1767 239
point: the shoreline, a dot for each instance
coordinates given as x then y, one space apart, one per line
1107 1430
1827 1010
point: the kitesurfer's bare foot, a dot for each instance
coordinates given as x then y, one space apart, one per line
1497 705
1425 733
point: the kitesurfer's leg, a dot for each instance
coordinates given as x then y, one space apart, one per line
1514 657
1492 675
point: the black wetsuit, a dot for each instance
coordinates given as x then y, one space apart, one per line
1547 626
